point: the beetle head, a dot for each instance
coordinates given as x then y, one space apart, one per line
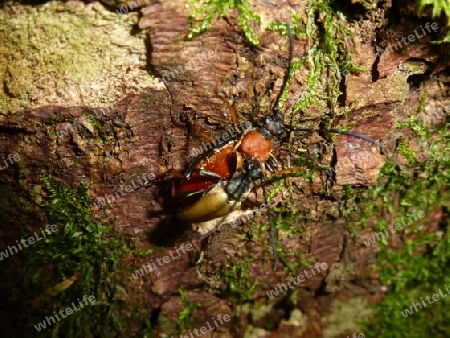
273 125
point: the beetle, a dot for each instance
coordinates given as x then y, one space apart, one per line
215 183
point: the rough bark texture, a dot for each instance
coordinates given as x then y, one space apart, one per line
144 134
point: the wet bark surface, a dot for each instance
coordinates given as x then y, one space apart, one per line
146 134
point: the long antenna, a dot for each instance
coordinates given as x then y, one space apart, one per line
336 131
283 87
288 71
271 226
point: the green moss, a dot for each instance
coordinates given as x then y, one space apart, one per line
328 57
240 285
186 316
207 10
84 250
438 7
444 40
295 268
419 267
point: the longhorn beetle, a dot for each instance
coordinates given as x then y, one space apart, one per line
215 183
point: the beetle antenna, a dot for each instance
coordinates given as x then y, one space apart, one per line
288 72
336 131
271 225
350 133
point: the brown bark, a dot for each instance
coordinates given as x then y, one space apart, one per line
144 134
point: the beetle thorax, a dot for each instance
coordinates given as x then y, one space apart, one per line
254 145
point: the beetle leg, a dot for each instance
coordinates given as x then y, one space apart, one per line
173 174
234 162
204 134
231 110
271 164
200 131
210 174
192 167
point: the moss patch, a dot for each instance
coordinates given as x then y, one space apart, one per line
81 258
68 54
417 268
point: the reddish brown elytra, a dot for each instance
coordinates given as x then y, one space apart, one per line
215 183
